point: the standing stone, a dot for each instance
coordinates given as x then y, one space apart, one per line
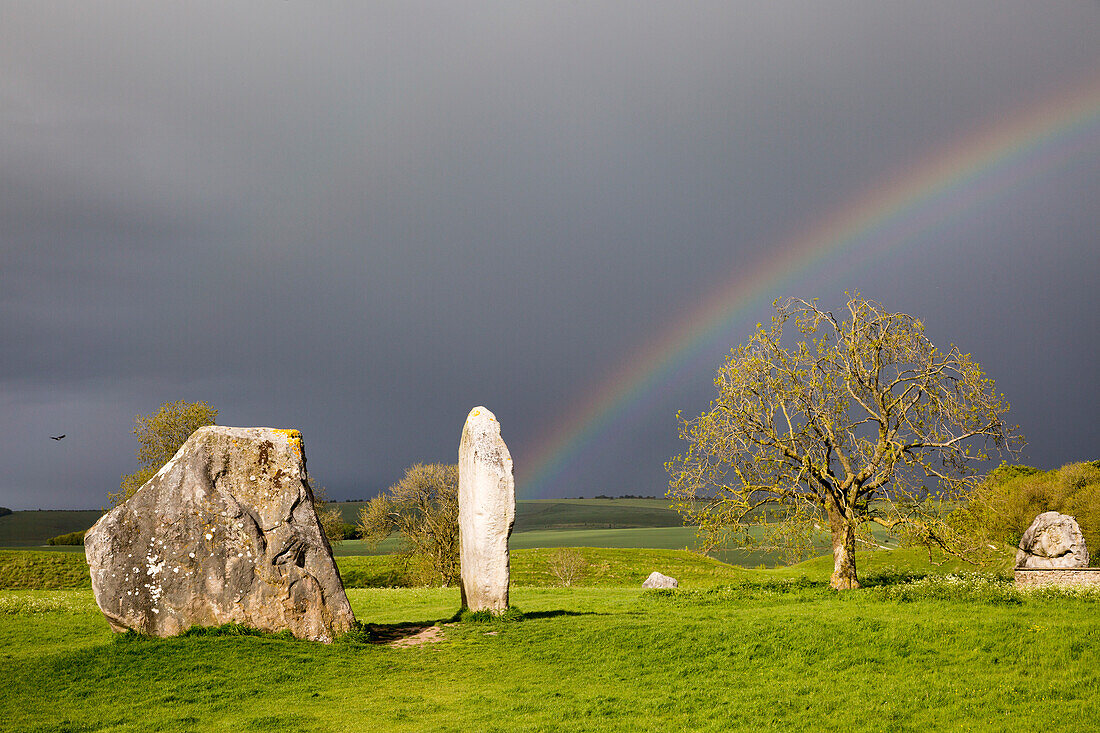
486 512
1053 541
658 580
224 532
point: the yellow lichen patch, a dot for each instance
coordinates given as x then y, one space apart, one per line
294 437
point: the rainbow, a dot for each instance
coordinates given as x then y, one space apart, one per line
977 168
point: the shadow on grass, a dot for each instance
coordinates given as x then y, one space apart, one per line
890 576
556 614
390 633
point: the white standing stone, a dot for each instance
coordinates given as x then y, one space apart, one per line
486 512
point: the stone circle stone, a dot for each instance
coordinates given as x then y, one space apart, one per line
657 580
1053 541
224 532
486 512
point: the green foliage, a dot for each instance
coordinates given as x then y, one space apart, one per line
845 428
423 509
70 538
236 629
485 616
358 634
160 435
328 515
1002 508
4 511
981 588
130 483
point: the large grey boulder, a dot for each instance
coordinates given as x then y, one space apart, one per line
657 580
224 532
1053 541
486 512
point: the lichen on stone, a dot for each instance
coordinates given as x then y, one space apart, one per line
294 437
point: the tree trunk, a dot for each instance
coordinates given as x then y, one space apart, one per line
844 551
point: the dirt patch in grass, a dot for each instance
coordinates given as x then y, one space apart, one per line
402 636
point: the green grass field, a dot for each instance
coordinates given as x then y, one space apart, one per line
734 649
605 567
30 569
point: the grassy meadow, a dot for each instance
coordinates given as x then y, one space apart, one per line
732 649
736 647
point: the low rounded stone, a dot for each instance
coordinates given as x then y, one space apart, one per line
1052 541
658 580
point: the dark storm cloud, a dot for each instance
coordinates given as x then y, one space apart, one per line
362 221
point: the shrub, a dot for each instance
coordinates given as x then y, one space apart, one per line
962 587
567 566
981 588
4 511
422 508
332 523
1002 508
359 633
71 538
160 435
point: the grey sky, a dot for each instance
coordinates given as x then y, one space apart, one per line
361 220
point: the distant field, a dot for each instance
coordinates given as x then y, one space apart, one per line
573 513
549 523
672 538
33 528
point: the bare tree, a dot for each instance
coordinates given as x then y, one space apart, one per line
567 565
328 515
847 429
160 435
423 508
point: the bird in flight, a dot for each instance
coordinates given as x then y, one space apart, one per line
57 437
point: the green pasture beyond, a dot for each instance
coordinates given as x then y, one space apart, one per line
610 523
34 528
733 649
